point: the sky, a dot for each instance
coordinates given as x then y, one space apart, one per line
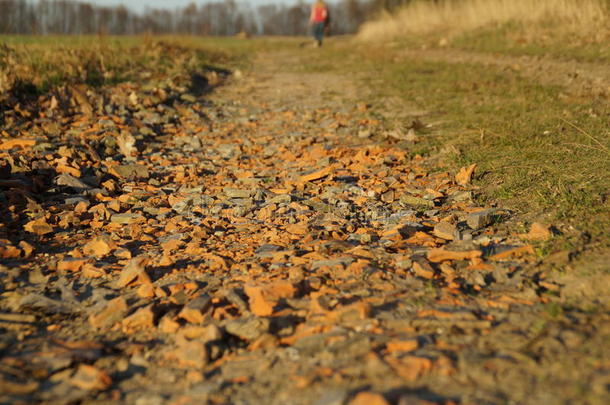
140 5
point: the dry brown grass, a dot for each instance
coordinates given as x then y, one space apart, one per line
582 17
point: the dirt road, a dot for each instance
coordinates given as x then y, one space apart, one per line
271 243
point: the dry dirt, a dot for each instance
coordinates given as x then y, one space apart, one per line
267 244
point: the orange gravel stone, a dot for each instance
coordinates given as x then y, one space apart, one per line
16 143
442 255
465 174
368 398
317 175
113 313
406 345
90 378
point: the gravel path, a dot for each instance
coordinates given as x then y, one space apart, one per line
268 244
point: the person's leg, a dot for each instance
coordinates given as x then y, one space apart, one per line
319 33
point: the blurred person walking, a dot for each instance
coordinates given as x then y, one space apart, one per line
318 21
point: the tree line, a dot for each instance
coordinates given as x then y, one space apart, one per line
225 17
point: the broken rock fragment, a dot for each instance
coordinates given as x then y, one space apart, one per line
480 219
8 144
538 232
414 201
465 174
90 378
403 345
72 263
264 298
249 328
445 230
441 255
143 318
125 218
194 311
189 354
135 269
8 250
316 175
111 314
368 398
38 226
68 180
99 246
130 172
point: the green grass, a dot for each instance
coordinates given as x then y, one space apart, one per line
513 39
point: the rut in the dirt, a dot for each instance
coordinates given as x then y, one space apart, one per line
179 251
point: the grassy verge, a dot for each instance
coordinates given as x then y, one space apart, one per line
32 66
541 149
564 29
514 39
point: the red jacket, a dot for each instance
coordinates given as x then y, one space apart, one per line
319 13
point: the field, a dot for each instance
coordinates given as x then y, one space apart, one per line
417 214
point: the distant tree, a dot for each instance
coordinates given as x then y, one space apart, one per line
297 19
269 22
121 22
86 19
389 5
356 13
186 24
